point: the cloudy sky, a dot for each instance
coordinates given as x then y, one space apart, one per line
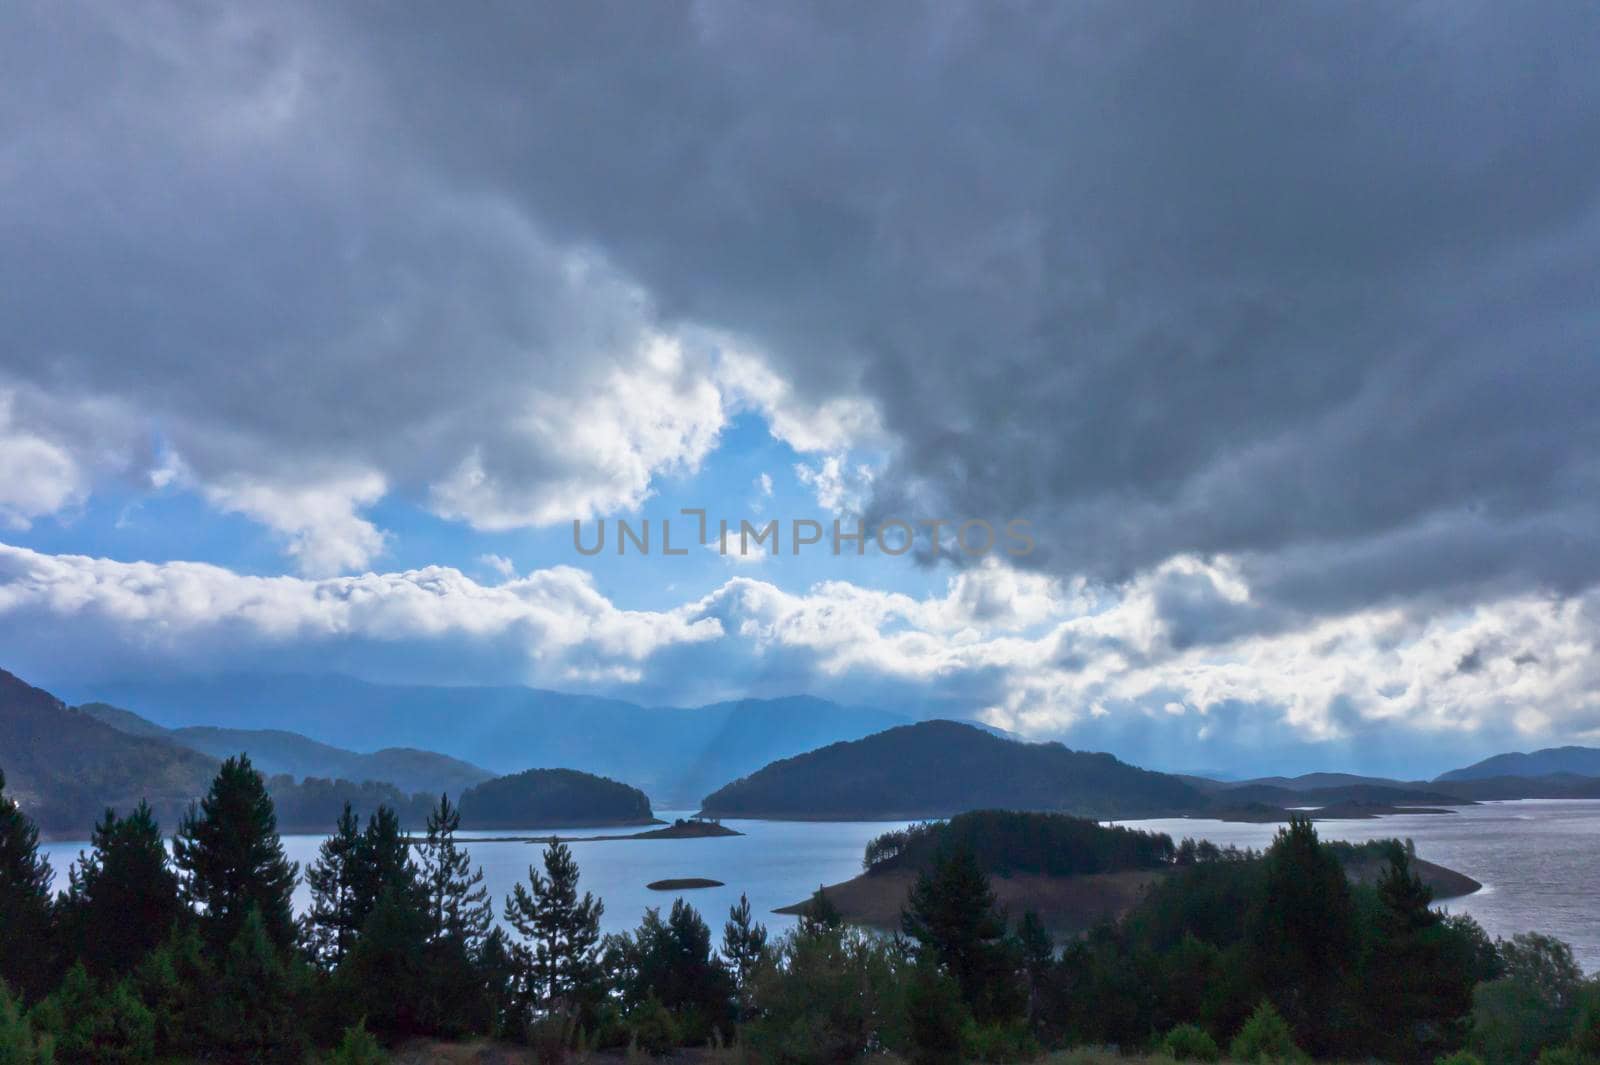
1278 324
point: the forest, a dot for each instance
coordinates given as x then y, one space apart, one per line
1269 957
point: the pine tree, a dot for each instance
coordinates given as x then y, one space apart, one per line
1302 934
231 859
563 931
253 1013
1038 952
820 916
950 914
123 900
670 962
499 965
25 925
1415 983
330 927
744 944
456 902
92 1022
383 864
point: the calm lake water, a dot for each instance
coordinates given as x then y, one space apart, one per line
1539 861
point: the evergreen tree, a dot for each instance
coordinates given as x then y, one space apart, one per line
820 916
385 976
456 902
499 967
383 864
123 901
950 914
231 859
744 944
671 961
563 932
102 1024
176 982
935 1014
1302 933
253 1011
25 925
1038 953
329 928
19 1045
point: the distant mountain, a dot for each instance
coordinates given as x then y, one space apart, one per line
274 752
1577 761
65 767
1316 781
552 798
1370 794
1553 786
675 754
940 768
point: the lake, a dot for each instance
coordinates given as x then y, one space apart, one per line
1539 861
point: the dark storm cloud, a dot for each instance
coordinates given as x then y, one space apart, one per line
1309 285
1301 279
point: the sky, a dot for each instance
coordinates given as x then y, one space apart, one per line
1274 327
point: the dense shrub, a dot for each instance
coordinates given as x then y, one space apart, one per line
651 1027
1010 1041
357 1047
18 1044
1264 1038
1189 1042
105 1024
1563 1055
935 1016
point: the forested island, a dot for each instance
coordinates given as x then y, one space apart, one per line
938 768
1071 872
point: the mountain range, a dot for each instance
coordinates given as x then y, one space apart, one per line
794 757
675 754
274 751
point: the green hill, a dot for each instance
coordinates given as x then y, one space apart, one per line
566 798
940 768
65 767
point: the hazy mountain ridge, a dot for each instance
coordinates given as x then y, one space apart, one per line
275 751
675 754
1549 761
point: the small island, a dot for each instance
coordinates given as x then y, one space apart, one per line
1073 872
553 797
685 884
693 828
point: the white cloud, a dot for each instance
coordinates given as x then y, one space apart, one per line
1027 652
499 564
839 486
37 476
601 447
832 423
553 621
325 534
